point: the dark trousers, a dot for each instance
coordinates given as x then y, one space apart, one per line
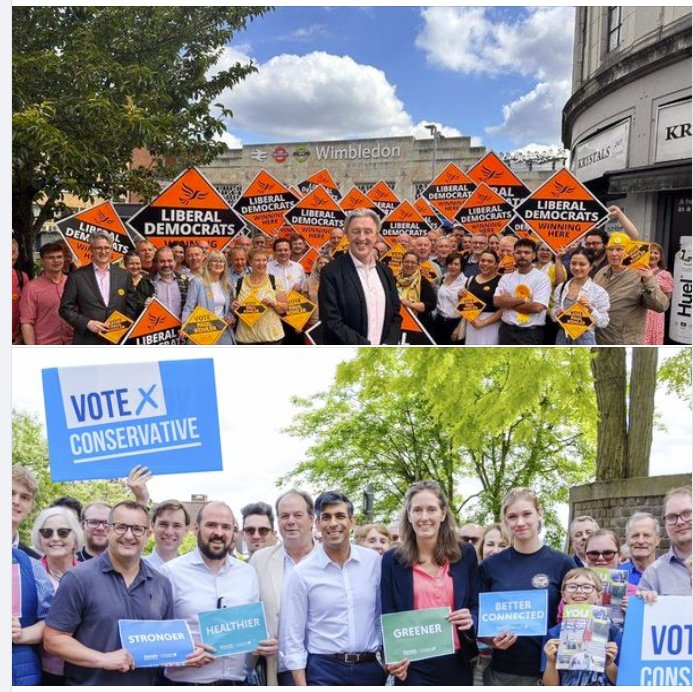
325 670
453 669
443 327
510 335
285 679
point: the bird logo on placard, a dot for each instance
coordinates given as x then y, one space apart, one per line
489 174
190 194
560 189
103 218
154 321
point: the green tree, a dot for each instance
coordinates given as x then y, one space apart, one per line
489 418
30 449
675 375
92 84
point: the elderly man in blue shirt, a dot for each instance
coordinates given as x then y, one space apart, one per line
329 624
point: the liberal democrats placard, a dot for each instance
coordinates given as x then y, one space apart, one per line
102 420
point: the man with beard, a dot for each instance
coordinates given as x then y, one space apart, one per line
208 578
523 296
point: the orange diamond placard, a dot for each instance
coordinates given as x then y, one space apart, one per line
308 260
265 202
204 327
403 220
298 312
413 332
355 199
188 210
429 215
637 255
76 229
383 196
157 325
117 325
315 216
470 307
449 190
576 320
499 177
562 210
485 211
393 257
324 178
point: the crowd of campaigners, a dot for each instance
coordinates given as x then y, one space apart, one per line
357 287
323 587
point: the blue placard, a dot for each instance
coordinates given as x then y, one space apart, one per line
154 643
102 420
235 630
657 643
524 613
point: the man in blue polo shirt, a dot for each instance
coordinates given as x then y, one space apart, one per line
82 624
642 539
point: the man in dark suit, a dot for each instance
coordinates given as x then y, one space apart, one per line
357 298
93 292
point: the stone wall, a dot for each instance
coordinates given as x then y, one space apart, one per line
611 503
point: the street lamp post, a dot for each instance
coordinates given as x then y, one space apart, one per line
435 133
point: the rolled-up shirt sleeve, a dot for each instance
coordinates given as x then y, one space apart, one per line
293 618
44 589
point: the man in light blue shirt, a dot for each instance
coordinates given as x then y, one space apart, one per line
329 624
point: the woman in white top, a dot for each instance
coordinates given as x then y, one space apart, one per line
581 289
447 318
213 291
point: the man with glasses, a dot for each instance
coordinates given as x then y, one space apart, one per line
95 527
93 292
258 526
295 515
670 574
82 624
471 533
208 578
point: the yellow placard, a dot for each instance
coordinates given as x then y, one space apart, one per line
298 311
506 264
117 324
250 310
636 255
470 307
204 327
342 247
576 320
428 269
393 257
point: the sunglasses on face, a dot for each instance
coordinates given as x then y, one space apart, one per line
48 533
596 554
252 530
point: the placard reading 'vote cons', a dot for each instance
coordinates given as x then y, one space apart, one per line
102 420
523 613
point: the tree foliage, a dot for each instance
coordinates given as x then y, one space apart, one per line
30 449
479 421
675 375
92 84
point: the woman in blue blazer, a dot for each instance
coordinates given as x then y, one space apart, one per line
213 291
432 568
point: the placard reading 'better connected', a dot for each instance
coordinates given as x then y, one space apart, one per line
523 613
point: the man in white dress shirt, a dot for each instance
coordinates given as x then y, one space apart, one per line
208 578
170 524
329 624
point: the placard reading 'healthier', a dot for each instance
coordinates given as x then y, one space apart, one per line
102 420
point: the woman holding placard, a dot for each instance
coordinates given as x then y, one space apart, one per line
258 287
414 289
432 568
57 536
213 291
483 331
581 290
526 565
447 318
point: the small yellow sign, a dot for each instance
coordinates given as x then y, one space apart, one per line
636 255
393 257
576 320
299 310
117 324
204 327
251 310
343 247
506 264
429 270
470 307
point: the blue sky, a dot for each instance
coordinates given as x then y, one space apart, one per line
499 74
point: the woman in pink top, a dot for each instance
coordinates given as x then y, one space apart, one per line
654 325
432 568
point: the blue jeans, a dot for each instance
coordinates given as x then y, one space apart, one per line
586 339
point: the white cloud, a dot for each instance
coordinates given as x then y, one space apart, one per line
421 132
535 116
320 96
307 33
231 141
539 44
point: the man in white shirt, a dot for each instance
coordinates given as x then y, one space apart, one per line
523 296
295 514
288 276
170 524
329 625
206 579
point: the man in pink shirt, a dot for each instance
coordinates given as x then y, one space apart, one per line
38 307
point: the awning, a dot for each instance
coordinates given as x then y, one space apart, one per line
657 178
